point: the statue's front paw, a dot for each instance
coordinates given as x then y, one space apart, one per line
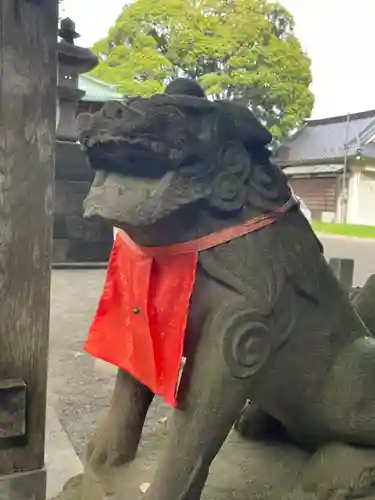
109 446
341 472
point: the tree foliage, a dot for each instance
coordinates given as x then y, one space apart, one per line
237 49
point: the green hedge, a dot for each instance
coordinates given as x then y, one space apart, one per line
355 230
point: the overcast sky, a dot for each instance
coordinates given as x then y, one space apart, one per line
337 34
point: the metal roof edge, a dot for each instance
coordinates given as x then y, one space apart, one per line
367 133
314 170
87 76
306 162
295 134
341 118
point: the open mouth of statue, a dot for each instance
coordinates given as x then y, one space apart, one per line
136 156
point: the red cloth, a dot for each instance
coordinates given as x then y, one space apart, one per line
141 319
142 314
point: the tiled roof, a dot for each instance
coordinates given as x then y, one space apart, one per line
325 139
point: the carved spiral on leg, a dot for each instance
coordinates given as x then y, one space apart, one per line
246 344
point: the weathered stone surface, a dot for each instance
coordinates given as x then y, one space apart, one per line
241 471
23 486
244 470
174 168
341 471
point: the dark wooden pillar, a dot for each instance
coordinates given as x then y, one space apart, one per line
28 35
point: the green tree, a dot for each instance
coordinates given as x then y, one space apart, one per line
237 49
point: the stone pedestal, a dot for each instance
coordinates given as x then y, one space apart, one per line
243 470
23 486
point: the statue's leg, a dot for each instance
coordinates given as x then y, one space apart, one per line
117 438
253 423
348 401
210 400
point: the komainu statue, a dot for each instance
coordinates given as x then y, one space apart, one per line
190 184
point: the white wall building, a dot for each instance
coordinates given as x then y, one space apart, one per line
330 164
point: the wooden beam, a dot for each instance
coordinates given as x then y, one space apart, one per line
28 36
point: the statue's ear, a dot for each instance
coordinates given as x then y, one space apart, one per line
229 188
248 128
187 104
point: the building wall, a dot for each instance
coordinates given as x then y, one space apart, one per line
361 202
319 193
352 213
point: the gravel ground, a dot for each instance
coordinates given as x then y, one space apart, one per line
79 389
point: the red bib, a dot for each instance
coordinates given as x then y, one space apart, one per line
141 319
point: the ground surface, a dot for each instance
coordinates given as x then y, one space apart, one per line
351 230
361 250
79 387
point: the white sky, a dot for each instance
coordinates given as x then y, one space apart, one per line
337 34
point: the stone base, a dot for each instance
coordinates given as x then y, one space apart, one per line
245 470
24 486
242 471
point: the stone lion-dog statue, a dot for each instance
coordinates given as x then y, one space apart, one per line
268 321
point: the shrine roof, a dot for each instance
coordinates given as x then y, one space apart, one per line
97 90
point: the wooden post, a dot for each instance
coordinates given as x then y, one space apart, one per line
344 271
28 37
